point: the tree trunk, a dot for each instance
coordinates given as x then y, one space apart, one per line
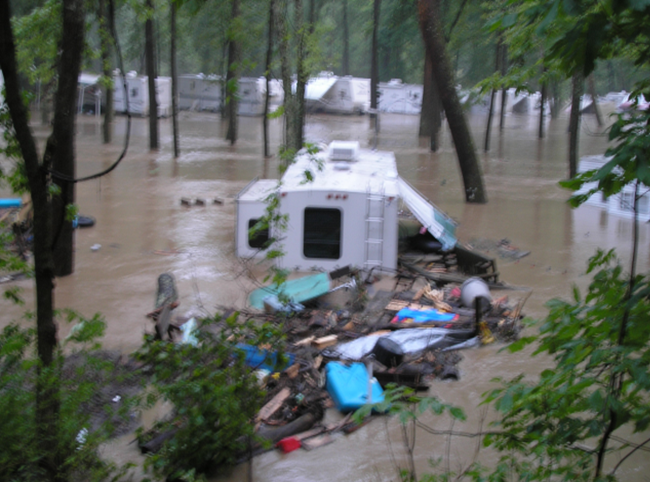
430 114
289 98
488 129
432 32
172 16
592 93
105 30
574 122
269 59
302 77
374 65
346 40
151 74
232 78
504 91
541 111
59 153
557 100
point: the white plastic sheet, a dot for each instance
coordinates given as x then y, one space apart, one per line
409 340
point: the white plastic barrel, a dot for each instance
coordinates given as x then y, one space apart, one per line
474 288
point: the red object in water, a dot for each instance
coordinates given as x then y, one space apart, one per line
289 444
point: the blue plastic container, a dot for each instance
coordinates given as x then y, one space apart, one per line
348 386
268 360
10 203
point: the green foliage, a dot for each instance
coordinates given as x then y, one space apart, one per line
629 160
79 433
37 39
574 403
214 394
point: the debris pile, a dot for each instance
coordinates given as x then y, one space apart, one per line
340 356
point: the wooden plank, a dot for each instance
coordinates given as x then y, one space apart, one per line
305 341
316 442
273 405
325 341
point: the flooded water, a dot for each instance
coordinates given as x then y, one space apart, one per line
144 230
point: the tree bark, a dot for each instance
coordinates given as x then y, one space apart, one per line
346 40
374 65
431 27
151 74
430 114
592 93
269 59
488 129
172 16
302 76
504 91
540 131
232 77
289 98
105 29
59 148
574 122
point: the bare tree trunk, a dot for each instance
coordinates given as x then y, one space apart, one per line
374 65
430 113
232 79
434 40
151 74
574 122
346 39
557 100
540 132
105 29
488 129
58 155
172 15
269 59
504 91
302 76
289 98
592 93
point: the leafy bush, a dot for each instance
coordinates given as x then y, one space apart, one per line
214 395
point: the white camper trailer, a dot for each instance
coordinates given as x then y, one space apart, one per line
199 92
621 204
347 216
138 95
252 94
89 94
398 98
337 95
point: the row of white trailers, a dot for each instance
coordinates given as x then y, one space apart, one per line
324 93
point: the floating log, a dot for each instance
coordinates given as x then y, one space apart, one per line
275 434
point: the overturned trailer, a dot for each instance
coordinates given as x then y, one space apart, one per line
348 215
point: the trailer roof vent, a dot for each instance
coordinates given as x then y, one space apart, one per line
343 150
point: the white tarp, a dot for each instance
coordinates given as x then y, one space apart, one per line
441 226
409 340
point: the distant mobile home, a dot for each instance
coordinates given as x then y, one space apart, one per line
199 92
621 204
337 95
90 99
138 94
398 98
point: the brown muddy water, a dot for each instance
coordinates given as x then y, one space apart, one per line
144 230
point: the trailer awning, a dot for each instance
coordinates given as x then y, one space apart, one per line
441 226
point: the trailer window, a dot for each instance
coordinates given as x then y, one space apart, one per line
260 238
322 236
